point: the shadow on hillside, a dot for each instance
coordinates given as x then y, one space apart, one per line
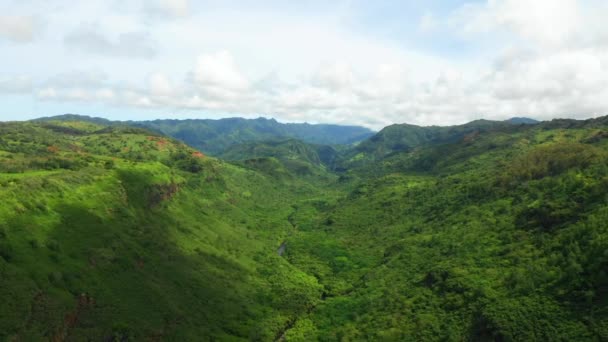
136 283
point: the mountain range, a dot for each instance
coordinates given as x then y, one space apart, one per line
240 229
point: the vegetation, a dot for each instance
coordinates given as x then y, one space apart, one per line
136 236
215 136
487 231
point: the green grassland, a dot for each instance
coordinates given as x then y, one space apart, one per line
483 232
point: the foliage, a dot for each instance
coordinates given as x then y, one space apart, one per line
486 231
216 136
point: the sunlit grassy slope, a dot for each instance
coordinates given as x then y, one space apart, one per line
118 233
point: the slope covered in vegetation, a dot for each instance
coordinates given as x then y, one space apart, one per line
502 236
215 136
117 233
487 231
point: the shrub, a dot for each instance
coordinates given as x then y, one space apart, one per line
550 160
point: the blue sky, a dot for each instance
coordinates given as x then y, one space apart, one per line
370 63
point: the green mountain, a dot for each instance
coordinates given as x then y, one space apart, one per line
215 136
497 238
403 137
489 231
116 233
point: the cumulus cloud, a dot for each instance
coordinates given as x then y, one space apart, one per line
550 22
334 77
521 84
218 77
19 29
542 59
554 63
160 85
131 44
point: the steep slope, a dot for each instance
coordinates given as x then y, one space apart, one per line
500 237
299 158
404 137
115 233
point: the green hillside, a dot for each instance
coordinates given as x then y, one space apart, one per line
404 137
216 136
498 238
489 231
299 158
117 233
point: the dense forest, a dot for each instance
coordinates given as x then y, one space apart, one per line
489 231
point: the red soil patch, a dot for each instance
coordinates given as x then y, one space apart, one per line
71 318
198 155
471 136
53 149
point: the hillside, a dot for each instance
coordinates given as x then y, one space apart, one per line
405 137
488 231
298 157
499 237
215 136
116 233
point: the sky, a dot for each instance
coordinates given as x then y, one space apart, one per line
369 63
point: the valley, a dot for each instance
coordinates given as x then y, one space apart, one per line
489 231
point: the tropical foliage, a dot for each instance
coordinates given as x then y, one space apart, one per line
487 231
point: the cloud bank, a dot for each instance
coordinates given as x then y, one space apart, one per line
544 59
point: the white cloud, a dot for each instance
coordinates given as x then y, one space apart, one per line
19 29
547 22
92 40
541 59
218 75
334 77
160 85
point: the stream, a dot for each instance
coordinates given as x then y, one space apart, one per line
282 248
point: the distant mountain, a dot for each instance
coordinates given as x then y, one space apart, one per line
522 120
403 137
76 117
215 136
